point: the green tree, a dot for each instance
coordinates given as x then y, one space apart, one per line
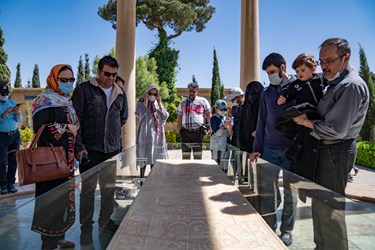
145 75
368 130
4 70
87 67
28 85
216 82
166 61
35 82
176 16
80 72
18 81
194 79
222 91
28 116
95 65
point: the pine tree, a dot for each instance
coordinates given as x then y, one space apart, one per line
18 81
28 85
368 130
28 116
95 65
80 72
35 82
222 91
4 70
194 79
216 82
87 67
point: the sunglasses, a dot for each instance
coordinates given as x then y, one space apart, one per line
107 74
154 94
65 80
223 109
4 94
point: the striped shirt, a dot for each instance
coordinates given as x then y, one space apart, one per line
193 112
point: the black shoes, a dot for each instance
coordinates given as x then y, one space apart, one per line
110 227
286 238
65 244
4 189
12 188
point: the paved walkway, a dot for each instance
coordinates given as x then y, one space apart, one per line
362 187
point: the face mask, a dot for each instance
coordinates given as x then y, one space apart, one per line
151 98
235 103
337 74
221 112
275 79
4 98
66 88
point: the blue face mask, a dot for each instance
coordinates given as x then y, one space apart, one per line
66 87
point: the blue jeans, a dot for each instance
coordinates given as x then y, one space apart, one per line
270 197
8 142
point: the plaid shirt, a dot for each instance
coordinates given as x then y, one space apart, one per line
193 112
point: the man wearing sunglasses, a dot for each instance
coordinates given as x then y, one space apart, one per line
9 140
343 109
102 109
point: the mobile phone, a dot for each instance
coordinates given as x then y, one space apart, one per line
18 105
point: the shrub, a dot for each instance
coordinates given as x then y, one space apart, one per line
26 135
366 154
170 136
206 139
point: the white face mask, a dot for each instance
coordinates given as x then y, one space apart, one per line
275 79
4 98
338 72
151 98
221 112
235 103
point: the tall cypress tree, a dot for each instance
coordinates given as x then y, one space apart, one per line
18 81
87 67
216 82
80 73
4 70
368 130
35 81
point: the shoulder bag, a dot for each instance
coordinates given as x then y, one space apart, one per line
40 164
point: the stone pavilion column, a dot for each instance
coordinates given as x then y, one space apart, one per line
125 54
249 65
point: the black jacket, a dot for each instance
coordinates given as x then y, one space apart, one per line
100 128
249 116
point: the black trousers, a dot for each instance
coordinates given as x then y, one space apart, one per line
191 140
334 163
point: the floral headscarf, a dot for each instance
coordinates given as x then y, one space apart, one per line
52 96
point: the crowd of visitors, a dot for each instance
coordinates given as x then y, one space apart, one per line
302 120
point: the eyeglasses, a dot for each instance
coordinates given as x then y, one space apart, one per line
328 61
154 94
65 80
108 74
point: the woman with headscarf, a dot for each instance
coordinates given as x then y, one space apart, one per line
54 214
152 117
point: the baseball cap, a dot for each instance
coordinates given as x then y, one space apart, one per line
4 89
221 104
234 92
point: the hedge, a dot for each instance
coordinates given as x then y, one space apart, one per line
366 154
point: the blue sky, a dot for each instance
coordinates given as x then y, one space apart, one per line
48 32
